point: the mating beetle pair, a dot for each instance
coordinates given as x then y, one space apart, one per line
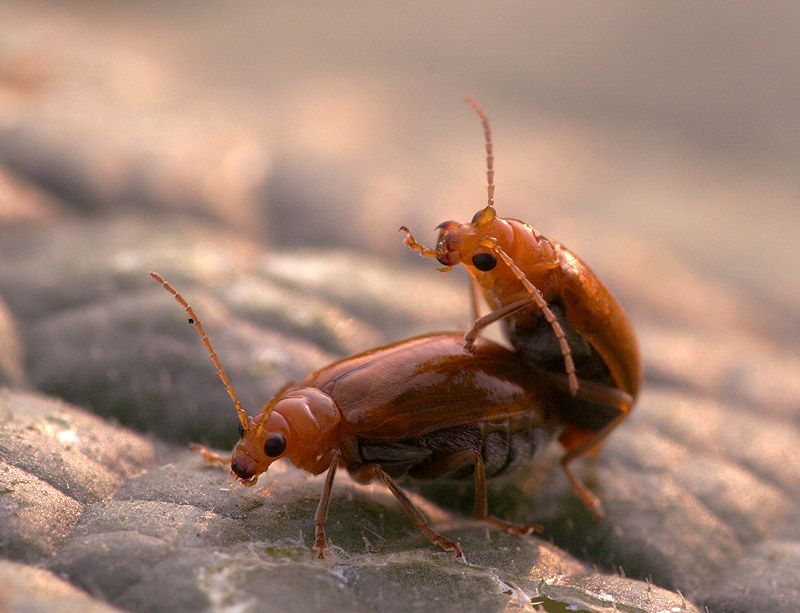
452 405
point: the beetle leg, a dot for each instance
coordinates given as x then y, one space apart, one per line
417 518
321 516
481 322
578 440
411 242
211 456
482 502
514 307
475 296
583 492
451 463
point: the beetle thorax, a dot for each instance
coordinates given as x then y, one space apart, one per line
308 418
532 254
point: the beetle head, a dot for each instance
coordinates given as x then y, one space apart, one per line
297 425
471 244
261 444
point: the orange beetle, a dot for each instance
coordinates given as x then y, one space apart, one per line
560 318
420 408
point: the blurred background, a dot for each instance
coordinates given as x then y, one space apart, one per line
620 129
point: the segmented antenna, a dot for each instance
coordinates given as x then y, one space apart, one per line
487 135
269 408
196 322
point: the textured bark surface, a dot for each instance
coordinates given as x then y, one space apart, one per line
274 210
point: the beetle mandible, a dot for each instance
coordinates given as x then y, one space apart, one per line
420 408
555 312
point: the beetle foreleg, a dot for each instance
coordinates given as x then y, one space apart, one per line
321 516
417 518
481 322
211 456
519 305
410 241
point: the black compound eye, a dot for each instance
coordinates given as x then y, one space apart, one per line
476 216
275 445
241 430
484 261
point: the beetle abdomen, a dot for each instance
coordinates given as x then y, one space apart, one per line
533 338
502 448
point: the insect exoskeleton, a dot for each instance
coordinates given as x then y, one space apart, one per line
419 408
564 323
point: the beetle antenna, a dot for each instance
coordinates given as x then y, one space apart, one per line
487 135
268 409
196 322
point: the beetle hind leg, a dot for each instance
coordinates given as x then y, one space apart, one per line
587 446
482 501
449 464
579 441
